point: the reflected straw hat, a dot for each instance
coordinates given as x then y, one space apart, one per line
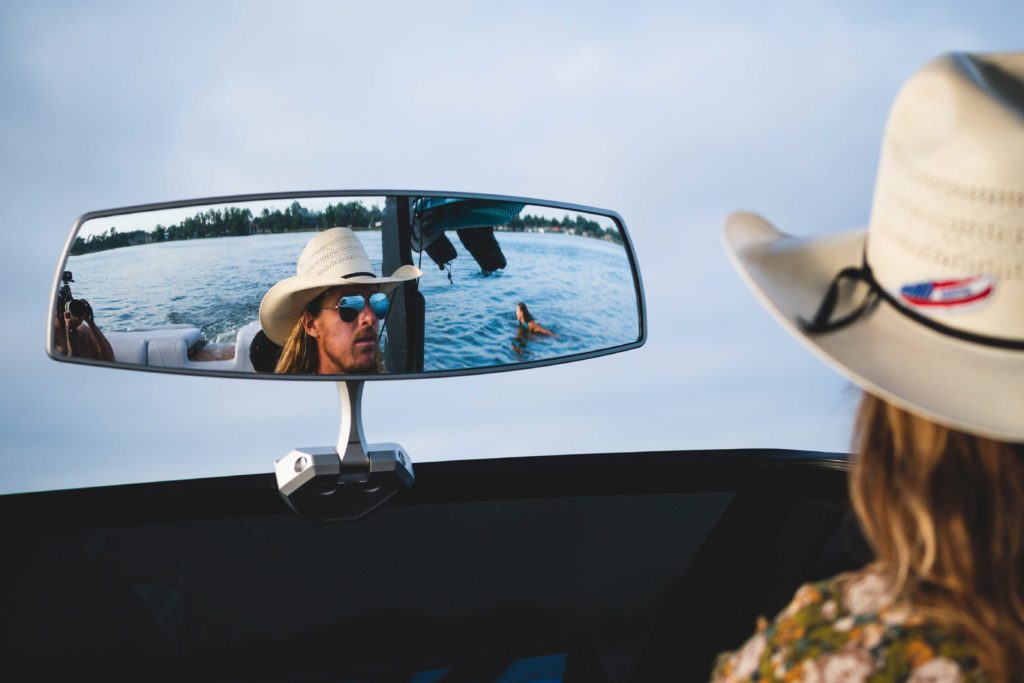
332 258
924 308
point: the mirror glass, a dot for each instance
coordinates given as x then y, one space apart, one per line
368 286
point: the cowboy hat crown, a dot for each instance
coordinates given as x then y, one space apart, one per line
926 307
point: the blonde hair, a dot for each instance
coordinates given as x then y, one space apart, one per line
301 355
944 513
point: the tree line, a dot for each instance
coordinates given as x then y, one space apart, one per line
235 222
580 225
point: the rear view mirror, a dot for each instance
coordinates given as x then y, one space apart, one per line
346 285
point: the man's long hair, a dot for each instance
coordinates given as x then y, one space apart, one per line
301 355
944 513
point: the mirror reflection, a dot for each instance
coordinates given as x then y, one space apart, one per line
346 285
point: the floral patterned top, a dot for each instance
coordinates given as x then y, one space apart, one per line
849 629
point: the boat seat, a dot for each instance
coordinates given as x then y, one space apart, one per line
168 346
134 350
133 345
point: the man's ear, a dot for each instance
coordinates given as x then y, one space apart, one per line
309 324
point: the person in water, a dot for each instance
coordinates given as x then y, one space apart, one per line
925 311
526 328
528 324
327 316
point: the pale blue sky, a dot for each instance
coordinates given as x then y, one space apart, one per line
672 114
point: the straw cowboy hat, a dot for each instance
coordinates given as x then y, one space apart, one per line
333 257
925 308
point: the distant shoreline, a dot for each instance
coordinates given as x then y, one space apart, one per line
211 237
237 222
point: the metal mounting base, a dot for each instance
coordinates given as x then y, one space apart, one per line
348 481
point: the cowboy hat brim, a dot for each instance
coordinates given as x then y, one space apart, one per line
961 384
284 302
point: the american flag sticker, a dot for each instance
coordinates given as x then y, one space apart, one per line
948 295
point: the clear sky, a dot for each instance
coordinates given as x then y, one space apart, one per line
670 113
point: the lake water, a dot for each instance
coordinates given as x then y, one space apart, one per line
578 287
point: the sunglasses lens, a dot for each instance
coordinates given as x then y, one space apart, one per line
349 307
379 304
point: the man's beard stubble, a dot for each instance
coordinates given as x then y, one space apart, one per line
356 362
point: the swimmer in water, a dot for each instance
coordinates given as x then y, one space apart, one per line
527 328
528 324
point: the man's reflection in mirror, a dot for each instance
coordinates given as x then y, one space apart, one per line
526 328
337 333
75 332
327 318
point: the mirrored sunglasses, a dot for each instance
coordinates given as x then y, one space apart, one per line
349 307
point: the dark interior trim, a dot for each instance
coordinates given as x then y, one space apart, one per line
438 482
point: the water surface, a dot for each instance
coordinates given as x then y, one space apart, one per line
578 287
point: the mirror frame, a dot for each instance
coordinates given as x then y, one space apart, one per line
229 199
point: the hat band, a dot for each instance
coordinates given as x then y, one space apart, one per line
822 321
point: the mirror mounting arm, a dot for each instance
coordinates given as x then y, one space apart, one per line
348 481
351 445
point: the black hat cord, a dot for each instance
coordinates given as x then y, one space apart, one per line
822 321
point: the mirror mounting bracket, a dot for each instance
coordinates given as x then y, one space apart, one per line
348 481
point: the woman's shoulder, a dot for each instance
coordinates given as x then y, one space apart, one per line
849 628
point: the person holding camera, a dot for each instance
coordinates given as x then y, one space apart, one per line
75 332
82 334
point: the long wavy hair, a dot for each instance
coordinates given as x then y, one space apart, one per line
301 355
944 513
